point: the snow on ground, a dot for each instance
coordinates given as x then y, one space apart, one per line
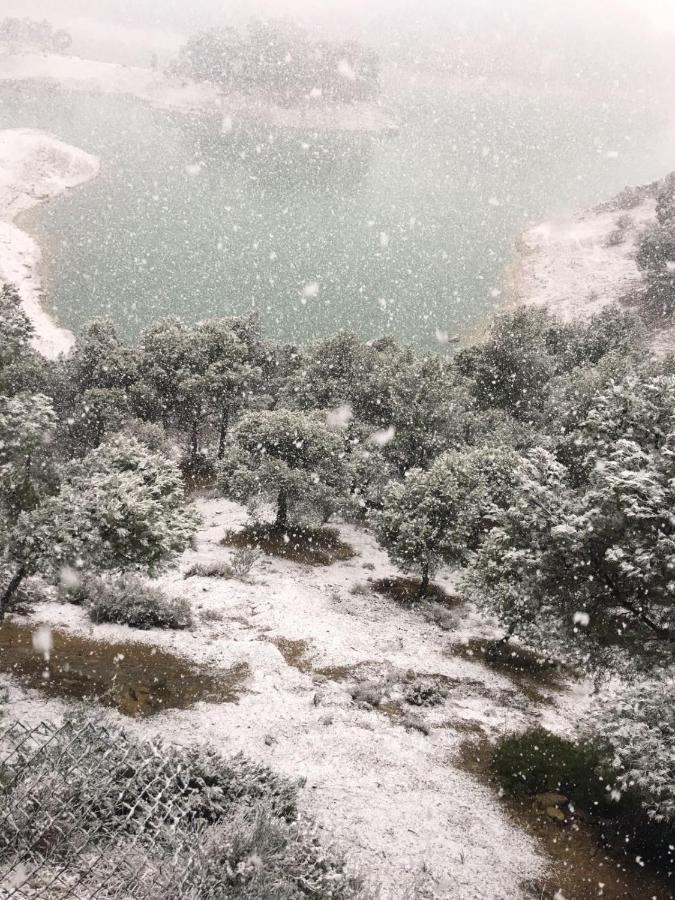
34 167
395 800
570 266
153 86
574 268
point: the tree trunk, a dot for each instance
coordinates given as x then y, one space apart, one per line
282 510
194 442
10 590
224 423
424 584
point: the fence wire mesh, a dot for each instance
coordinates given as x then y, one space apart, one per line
87 813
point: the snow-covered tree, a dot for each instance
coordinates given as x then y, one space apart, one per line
610 405
120 508
289 458
386 387
21 369
440 515
638 723
512 368
199 374
588 571
27 429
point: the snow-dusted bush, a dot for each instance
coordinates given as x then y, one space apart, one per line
289 458
439 515
122 818
122 507
538 762
216 568
130 601
243 561
638 723
587 572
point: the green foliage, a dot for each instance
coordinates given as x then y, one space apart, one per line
278 60
287 457
539 762
440 515
525 350
587 571
27 428
122 507
512 369
639 727
130 601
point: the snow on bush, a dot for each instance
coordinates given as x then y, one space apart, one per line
639 725
130 601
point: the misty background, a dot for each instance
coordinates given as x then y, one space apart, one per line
625 41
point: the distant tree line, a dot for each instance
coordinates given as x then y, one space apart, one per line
30 34
278 60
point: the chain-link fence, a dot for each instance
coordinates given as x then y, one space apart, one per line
89 813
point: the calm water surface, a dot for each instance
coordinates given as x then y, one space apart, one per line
403 234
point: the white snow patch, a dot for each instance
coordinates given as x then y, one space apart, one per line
35 167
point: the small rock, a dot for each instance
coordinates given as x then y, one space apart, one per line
551 798
553 812
270 740
326 720
316 700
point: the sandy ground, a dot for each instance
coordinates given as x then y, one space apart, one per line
182 96
35 167
395 800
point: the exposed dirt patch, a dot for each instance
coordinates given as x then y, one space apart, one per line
407 591
343 673
137 679
528 671
302 544
582 866
293 652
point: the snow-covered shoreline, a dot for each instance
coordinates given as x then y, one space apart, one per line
35 167
579 265
154 87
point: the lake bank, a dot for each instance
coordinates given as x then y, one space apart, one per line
579 265
179 95
34 168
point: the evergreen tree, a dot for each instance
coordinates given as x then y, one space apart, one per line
588 571
440 515
120 508
286 457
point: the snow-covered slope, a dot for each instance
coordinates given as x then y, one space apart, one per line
180 95
396 800
576 266
34 167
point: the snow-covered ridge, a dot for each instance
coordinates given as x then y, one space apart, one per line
577 266
182 96
35 167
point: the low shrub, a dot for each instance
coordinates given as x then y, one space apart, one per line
538 762
212 569
130 601
243 561
162 823
424 692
